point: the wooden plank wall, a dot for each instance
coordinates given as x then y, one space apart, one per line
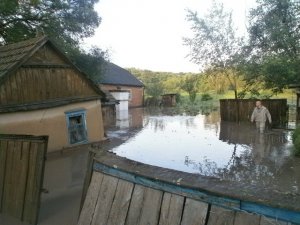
21 175
277 107
113 201
36 84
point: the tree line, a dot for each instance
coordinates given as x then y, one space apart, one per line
158 83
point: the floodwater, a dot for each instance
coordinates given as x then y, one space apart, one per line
202 144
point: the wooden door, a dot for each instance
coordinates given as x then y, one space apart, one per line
22 161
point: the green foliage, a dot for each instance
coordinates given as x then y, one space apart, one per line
296 141
178 98
158 83
274 47
154 87
173 82
69 21
206 97
92 63
215 44
190 85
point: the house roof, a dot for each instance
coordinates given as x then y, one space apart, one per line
116 75
13 56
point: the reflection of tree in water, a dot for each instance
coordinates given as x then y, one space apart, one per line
158 124
263 161
207 108
206 168
212 122
189 122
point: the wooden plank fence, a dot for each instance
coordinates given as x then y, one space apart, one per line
278 108
22 161
116 195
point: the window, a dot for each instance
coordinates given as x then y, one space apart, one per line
76 124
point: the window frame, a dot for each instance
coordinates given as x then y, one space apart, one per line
73 113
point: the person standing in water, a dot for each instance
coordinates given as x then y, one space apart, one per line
260 115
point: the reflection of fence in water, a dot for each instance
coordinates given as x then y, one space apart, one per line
245 133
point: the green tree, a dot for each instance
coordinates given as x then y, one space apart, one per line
154 87
190 85
92 62
172 84
69 20
215 44
274 46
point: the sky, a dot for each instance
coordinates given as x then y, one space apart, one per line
148 34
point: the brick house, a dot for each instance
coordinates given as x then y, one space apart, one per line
116 78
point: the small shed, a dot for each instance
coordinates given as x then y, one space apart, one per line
43 93
169 100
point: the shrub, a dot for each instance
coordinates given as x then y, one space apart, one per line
206 97
178 98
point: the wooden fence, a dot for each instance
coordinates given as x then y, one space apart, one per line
229 109
123 191
22 160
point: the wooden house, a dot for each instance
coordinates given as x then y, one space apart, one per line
116 78
43 93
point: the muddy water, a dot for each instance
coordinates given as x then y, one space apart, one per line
204 145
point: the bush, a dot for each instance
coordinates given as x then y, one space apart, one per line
206 97
296 141
178 98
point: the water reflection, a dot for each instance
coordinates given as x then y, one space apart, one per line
202 144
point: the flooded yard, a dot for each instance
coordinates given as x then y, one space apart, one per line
204 145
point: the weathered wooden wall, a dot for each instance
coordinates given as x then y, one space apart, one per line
108 114
229 109
45 76
123 191
111 200
41 84
21 175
